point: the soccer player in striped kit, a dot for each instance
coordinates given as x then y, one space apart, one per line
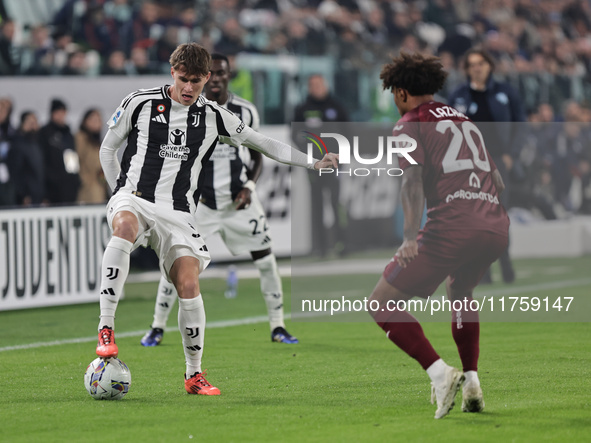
229 205
171 132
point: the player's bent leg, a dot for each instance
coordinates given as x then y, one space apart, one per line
400 326
465 328
185 276
272 290
165 299
405 331
484 249
114 271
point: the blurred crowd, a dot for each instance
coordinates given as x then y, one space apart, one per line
554 173
136 36
53 164
529 39
50 164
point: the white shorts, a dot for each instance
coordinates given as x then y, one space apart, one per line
172 234
243 230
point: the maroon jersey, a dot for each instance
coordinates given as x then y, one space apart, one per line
457 170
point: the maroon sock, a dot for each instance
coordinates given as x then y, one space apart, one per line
405 332
465 329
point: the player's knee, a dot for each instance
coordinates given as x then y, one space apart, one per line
187 287
125 228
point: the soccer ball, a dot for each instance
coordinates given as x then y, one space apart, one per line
107 379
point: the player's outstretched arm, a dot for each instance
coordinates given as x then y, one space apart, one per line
284 153
413 204
329 161
108 156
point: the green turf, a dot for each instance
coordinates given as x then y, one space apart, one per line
343 382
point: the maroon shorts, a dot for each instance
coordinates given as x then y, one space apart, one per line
463 255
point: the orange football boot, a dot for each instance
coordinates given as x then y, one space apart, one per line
198 385
106 347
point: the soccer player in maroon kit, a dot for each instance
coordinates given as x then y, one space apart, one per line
466 228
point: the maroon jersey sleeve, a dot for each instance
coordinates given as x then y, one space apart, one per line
408 126
457 169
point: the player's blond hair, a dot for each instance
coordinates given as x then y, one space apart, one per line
193 58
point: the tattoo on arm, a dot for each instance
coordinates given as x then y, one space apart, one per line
413 201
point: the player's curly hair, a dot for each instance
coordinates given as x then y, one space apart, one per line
418 74
193 57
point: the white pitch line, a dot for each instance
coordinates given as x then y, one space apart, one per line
68 341
263 318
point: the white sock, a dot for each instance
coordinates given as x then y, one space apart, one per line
472 378
114 271
192 327
165 299
437 372
271 289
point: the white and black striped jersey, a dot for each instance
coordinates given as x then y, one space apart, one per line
225 173
169 144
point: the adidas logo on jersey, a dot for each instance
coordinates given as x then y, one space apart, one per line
159 118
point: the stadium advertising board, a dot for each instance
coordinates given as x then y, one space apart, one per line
51 256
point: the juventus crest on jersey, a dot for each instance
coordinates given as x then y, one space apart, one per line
169 144
225 173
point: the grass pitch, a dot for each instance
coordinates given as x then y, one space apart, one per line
343 382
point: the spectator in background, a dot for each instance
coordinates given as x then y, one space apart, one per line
115 64
100 32
233 38
69 17
76 65
139 62
29 165
303 41
9 60
537 191
188 24
143 29
38 57
60 158
7 172
351 51
62 46
567 153
93 186
120 11
485 100
320 106
166 44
